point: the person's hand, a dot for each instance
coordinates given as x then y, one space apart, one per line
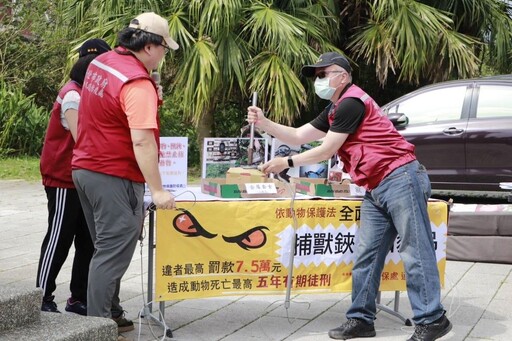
163 200
346 182
160 92
255 115
275 166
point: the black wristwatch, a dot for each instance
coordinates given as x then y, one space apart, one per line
290 162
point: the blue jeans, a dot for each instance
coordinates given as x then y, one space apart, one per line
397 206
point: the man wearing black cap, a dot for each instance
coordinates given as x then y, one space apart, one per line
397 187
66 222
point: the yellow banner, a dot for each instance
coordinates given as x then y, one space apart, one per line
217 248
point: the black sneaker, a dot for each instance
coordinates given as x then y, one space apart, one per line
351 329
49 305
432 331
123 324
75 306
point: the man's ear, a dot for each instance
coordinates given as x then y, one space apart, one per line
149 49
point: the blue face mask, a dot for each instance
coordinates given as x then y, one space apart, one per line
323 89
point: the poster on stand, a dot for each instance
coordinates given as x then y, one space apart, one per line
222 153
282 149
173 163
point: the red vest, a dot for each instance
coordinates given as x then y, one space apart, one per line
375 149
104 143
58 145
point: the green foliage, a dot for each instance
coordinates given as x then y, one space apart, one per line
22 122
173 124
230 48
32 56
217 170
229 119
33 51
432 40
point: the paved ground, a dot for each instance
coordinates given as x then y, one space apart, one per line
477 296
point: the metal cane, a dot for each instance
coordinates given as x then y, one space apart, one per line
250 150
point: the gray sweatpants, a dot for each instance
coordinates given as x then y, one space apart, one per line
113 208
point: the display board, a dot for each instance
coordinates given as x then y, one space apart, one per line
220 154
282 149
219 248
173 162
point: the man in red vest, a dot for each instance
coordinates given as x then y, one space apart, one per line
66 222
397 187
116 152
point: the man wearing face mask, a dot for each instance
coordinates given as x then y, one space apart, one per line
397 187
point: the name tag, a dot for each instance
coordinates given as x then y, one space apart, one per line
261 188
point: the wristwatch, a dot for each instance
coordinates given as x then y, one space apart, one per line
290 162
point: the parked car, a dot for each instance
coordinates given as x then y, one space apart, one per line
462 131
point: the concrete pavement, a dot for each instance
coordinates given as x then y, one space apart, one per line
477 296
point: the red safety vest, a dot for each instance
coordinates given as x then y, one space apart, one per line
104 142
58 145
376 148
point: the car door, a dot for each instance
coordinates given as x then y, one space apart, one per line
489 137
437 122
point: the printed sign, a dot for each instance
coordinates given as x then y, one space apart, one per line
220 248
172 163
314 171
220 154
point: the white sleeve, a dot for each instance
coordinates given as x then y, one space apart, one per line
70 101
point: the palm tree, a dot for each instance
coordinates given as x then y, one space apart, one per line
490 23
232 48
433 40
229 49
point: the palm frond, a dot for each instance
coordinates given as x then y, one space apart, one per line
407 35
279 87
268 27
198 80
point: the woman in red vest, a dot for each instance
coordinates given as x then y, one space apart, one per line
397 187
66 222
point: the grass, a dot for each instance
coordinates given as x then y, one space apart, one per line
27 168
194 175
20 168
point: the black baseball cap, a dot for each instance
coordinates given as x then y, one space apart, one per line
93 46
327 59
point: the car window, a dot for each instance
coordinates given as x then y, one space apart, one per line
435 105
494 101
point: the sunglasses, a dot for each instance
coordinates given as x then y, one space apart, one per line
323 74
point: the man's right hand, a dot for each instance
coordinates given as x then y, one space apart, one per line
163 200
160 92
255 115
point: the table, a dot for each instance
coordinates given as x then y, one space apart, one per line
214 247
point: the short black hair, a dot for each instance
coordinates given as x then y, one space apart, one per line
135 39
79 69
